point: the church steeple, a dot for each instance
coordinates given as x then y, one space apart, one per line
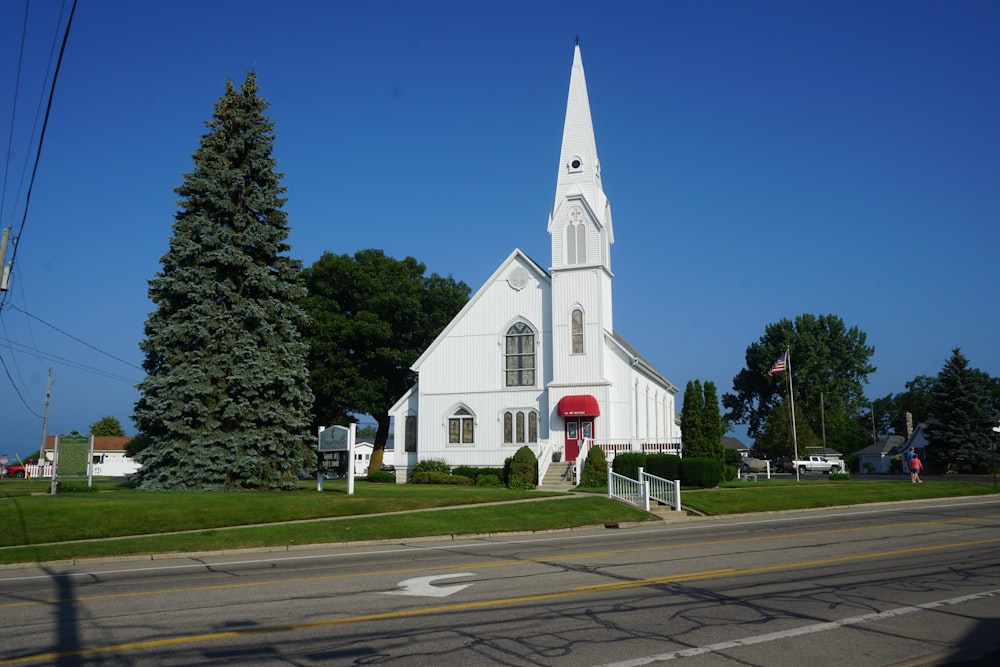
581 233
580 220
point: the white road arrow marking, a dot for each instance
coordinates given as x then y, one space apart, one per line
423 586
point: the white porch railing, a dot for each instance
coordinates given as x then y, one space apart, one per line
640 492
663 490
612 446
628 490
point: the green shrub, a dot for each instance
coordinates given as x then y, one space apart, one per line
729 472
703 472
438 477
491 481
521 470
75 487
474 473
664 466
627 464
432 465
382 477
595 469
840 476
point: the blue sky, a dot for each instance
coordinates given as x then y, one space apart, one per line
763 160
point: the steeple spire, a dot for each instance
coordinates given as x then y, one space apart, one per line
579 175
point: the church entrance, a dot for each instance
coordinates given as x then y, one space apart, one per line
577 430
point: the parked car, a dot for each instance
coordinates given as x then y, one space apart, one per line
14 470
783 464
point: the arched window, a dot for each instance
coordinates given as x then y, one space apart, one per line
461 429
520 426
576 328
519 357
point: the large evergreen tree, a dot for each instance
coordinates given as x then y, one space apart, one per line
225 402
963 413
371 317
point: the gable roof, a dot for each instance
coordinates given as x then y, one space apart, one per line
734 443
642 364
517 255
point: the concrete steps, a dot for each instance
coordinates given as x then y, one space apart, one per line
559 477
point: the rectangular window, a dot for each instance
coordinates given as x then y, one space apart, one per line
410 434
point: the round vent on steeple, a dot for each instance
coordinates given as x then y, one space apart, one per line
575 164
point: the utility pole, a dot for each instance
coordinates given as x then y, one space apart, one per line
45 422
4 269
822 421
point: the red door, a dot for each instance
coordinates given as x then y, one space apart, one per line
577 429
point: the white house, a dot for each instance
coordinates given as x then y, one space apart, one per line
533 358
363 455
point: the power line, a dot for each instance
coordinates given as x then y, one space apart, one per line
41 141
78 340
16 390
14 346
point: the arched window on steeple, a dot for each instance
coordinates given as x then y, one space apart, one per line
576 331
576 238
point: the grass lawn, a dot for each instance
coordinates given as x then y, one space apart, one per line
114 520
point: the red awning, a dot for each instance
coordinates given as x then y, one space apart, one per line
576 406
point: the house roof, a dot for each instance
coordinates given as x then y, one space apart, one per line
734 443
102 443
887 445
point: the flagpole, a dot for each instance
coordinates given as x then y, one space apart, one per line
791 399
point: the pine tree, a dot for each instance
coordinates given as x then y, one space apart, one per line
712 421
962 417
692 412
225 402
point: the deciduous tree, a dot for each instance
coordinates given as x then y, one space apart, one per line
371 317
830 363
225 402
107 426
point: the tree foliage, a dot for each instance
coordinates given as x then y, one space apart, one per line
776 440
702 427
890 411
965 407
107 427
830 363
225 402
371 316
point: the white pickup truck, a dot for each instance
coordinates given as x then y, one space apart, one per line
818 464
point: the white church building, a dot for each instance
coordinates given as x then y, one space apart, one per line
533 358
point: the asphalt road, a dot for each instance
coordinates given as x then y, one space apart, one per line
900 584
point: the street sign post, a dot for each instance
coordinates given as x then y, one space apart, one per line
337 439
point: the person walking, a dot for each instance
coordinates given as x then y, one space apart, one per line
916 465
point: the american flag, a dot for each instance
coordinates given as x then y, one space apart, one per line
779 365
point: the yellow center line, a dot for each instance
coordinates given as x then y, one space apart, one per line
482 604
499 563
